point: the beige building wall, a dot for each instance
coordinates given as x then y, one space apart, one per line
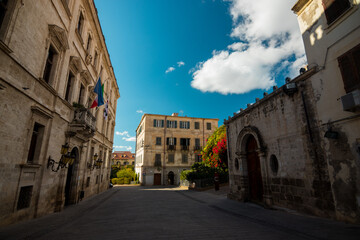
28 103
326 40
147 149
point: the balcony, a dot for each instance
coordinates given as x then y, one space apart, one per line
184 147
197 148
171 147
84 122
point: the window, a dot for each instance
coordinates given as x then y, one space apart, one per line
97 179
49 65
158 123
171 124
208 126
185 125
3 8
88 45
95 59
68 86
88 182
35 143
197 125
171 158
184 158
349 66
80 24
24 197
170 141
157 160
334 9
158 140
184 142
198 158
81 93
197 144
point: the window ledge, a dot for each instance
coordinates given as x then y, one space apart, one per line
341 18
30 165
4 47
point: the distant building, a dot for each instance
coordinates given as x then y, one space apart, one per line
167 145
51 56
123 158
299 147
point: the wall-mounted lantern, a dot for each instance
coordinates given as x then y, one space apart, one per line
97 162
66 159
331 134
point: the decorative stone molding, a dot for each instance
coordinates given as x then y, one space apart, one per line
75 64
58 37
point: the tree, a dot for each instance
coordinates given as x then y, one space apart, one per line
215 152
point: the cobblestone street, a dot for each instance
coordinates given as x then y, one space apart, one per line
174 213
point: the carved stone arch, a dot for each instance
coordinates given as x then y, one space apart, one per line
75 64
243 136
58 37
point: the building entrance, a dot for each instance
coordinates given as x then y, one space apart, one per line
254 170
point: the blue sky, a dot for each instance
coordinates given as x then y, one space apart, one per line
199 58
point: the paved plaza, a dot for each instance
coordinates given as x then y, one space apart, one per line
130 212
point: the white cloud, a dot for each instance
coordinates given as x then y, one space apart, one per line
181 63
129 139
128 148
267 33
170 69
140 111
126 133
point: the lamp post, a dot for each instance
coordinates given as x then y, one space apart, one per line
66 159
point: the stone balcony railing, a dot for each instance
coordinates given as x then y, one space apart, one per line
83 123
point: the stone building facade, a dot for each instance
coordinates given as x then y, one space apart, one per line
51 56
123 158
299 147
167 145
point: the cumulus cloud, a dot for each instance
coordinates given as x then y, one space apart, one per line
266 34
129 139
128 148
181 63
140 111
170 69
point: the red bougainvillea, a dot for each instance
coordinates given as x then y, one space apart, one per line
215 151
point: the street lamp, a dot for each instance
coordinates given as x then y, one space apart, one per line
66 159
97 162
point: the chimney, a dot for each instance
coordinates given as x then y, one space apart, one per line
175 114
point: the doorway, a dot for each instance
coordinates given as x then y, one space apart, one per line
171 178
157 178
70 197
254 170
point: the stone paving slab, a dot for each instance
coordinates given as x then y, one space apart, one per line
174 213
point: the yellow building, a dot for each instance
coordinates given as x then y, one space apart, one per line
167 145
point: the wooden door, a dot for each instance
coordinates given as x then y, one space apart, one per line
254 170
157 178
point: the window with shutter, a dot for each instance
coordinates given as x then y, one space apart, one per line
334 9
349 66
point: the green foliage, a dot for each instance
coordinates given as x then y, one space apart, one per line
201 170
126 180
214 153
126 173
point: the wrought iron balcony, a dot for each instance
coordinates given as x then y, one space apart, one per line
83 123
184 147
171 147
197 148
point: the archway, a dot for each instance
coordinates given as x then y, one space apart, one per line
254 170
171 178
70 192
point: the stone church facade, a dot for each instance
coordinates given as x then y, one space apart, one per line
54 149
299 147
